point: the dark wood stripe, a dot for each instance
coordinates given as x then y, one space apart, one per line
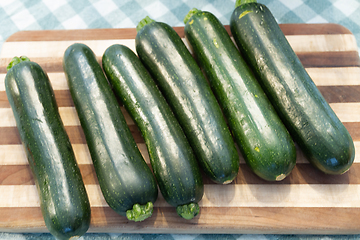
130 33
329 59
22 175
48 64
354 130
332 94
309 29
4 102
12 219
16 175
340 94
63 98
303 173
69 35
211 220
313 29
10 135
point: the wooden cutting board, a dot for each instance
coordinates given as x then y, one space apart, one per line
307 201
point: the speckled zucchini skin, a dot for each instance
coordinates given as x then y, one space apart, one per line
123 175
172 159
186 90
308 117
63 199
261 136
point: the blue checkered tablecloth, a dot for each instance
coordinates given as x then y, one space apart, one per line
18 15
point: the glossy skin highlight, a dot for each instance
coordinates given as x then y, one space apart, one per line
261 136
310 120
172 159
123 175
63 199
186 90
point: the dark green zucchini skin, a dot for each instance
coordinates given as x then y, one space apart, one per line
309 118
172 159
261 136
190 97
123 175
63 199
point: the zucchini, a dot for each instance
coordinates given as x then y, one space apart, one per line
265 143
309 118
127 183
63 199
172 159
186 90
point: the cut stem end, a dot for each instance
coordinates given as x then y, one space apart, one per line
17 60
190 14
140 212
188 211
240 2
145 21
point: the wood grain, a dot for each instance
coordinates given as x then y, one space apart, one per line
307 201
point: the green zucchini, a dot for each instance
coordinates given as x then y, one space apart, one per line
172 159
63 199
127 183
265 143
189 95
309 118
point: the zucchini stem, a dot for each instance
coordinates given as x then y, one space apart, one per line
140 212
145 21
188 211
240 2
16 60
190 14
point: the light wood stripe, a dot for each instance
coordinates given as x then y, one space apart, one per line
301 195
300 43
321 77
68 115
15 154
27 196
234 195
335 76
322 43
347 112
